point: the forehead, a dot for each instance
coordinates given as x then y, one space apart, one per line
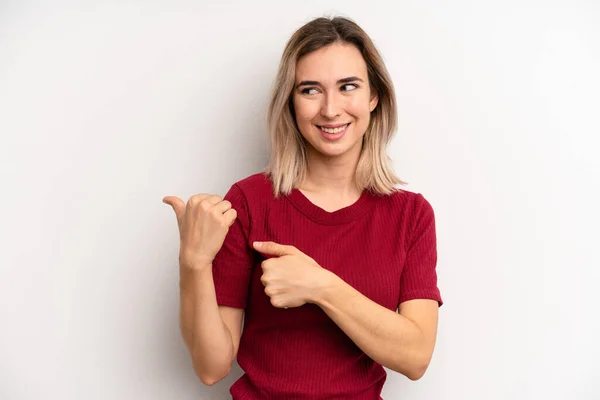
331 63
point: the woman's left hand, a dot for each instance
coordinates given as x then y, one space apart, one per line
291 278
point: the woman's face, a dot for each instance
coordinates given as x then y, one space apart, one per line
333 100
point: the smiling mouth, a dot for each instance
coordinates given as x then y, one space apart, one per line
335 130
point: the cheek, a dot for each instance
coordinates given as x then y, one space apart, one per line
305 110
359 106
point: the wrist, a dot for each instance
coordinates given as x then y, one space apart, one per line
191 275
330 283
195 263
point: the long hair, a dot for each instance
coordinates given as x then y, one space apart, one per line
288 159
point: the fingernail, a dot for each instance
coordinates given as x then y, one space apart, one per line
257 244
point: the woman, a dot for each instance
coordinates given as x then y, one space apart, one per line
331 266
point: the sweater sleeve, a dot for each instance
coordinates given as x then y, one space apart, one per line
419 278
232 266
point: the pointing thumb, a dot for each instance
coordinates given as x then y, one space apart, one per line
178 206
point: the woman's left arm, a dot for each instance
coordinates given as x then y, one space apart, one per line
402 341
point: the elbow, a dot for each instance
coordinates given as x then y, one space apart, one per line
209 378
416 373
417 370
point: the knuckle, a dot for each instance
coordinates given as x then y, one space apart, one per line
230 216
265 283
275 302
204 205
197 198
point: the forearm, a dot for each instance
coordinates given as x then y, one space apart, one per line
205 334
387 337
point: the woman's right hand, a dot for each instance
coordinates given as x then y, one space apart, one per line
203 224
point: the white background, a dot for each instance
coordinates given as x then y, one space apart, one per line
107 107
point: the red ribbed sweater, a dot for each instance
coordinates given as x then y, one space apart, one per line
383 246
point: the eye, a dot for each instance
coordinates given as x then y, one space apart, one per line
309 90
349 87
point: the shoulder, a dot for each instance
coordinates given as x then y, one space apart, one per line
407 209
259 180
409 202
252 189
255 185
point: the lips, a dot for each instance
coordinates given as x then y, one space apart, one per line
333 129
334 134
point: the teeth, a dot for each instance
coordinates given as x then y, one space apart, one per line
334 130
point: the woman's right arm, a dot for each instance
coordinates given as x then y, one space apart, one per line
211 332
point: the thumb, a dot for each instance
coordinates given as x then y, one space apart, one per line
178 206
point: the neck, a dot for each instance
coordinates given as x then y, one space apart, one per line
332 176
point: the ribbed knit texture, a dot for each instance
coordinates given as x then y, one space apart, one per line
383 246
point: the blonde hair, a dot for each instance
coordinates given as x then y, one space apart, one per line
288 160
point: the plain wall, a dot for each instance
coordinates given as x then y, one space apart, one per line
107 107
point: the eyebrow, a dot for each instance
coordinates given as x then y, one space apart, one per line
343 80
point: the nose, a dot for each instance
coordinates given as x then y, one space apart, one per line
331 106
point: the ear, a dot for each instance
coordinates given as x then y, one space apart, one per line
374 101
